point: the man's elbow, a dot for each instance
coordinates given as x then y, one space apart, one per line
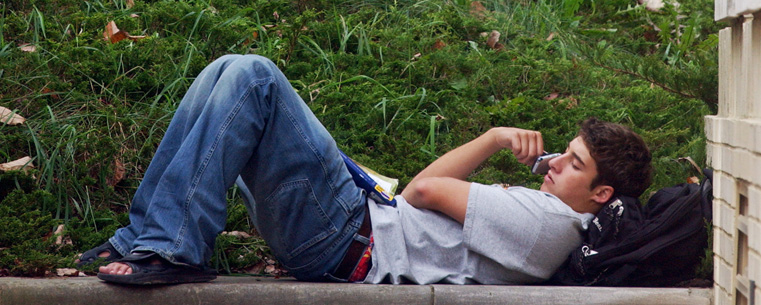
421 193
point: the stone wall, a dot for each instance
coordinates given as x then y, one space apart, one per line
734 151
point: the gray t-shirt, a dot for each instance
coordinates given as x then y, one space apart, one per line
510 236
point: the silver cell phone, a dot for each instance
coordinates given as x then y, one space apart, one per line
542 164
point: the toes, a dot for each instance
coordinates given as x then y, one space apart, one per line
116 268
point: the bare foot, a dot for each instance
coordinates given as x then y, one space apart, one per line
116 268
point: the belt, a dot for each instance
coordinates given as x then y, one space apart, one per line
356 249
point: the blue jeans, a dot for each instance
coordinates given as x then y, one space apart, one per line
241 120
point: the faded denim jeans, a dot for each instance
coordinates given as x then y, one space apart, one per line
241 120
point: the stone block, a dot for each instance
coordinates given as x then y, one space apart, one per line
711 122
727 131
754 234
719 297
744 137
754 200
726 160
755 175
729 9
728 219
745 168
754 266
757 131
723 276
726 247
726 77
728 189
709 154
716 207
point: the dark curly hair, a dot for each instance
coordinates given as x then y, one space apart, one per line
622 157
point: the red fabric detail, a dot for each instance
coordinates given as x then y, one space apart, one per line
364 265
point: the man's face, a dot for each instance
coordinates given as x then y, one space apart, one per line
570 176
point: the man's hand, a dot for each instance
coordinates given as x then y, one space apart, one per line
526 145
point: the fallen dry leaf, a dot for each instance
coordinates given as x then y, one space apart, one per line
114 34
134 15
652 5
256 269
693 179
552 35
52 94
438 45
270 269
239 234
58 233
24 164
493 39
130 3
67 272
552 96
61 240
118 173
8 117
477 9
28 47
415 57
572 102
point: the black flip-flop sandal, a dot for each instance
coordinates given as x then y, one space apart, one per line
148 268
91 256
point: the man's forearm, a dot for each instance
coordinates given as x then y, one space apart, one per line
461 161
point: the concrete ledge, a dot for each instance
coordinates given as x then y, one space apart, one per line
258 290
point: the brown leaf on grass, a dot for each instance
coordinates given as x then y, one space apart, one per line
58 233
134 15
50 92
693 180
477 9
61 240
130 3
572 102
23 164
416 56
551 96
118 173
493 39
28 47
438 45
552 35
114 34
239 234
270 269
256 269
67 272
8 117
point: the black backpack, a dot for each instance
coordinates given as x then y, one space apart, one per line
659 244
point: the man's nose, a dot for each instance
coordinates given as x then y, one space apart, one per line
554 163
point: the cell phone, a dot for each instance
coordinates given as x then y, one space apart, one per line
542 164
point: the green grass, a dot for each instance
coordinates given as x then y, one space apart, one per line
96 108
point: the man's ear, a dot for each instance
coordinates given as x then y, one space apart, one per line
602 193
